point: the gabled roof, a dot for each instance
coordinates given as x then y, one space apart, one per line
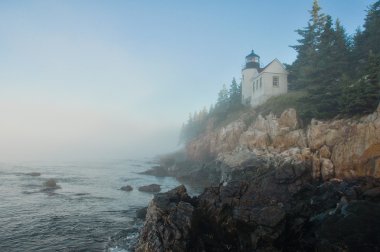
270 63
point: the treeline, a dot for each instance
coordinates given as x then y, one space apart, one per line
229 101
340 73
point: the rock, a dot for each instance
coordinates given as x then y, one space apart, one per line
126 188
373 193
158 171
278 207
50 183
34 174
289 119
141 213
50 186
327 168
152 188
168 222
316 164
324 152
352 145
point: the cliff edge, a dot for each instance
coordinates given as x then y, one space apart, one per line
282 187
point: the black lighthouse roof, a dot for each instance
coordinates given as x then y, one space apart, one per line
252 54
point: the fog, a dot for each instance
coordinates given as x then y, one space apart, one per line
85 80
33 131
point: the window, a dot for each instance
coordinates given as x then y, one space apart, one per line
261 83
257 85
276 81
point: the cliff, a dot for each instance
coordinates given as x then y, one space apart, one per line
281 187
341 148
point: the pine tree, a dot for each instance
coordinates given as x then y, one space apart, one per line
329 66
303 67
363 96
234 94
368 40
223 98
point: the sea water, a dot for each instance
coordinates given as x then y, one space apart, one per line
88 213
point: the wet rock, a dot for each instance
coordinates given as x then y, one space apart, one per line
373 193
168 222
34 174
158 171
152 188
50 185
276 208
141 213
126 188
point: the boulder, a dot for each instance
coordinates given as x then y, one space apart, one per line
141 213
273 206
126 188
152 188
50 186
34 174
50 183
168 222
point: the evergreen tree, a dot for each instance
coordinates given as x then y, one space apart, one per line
363 96
234 94
223 98
368 40
303 67
330 64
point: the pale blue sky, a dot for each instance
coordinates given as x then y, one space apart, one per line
118 78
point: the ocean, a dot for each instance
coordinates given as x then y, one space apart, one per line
88 213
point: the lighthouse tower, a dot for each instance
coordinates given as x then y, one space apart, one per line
249 72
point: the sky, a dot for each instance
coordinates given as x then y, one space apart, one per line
85 80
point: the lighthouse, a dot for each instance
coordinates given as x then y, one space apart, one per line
259 84
249 72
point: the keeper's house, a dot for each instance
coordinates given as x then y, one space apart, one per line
259 84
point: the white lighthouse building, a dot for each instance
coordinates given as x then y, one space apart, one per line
259 84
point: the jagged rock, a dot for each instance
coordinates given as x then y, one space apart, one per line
352 145
276 208
141 213
324 152
168 222
327 168
152 188
316 164
373 193
126 188
289 119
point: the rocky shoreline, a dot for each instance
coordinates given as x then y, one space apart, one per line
267 208
273 186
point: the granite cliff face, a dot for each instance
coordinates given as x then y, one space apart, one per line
342 148
279 187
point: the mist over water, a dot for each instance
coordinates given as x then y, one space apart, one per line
87 213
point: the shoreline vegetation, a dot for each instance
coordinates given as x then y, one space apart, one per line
299 173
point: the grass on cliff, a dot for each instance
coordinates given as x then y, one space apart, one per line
220 117
275 105
278 104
